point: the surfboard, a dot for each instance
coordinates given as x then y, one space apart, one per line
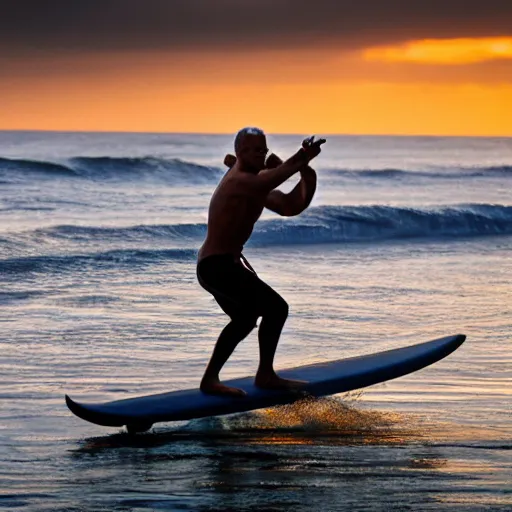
326 378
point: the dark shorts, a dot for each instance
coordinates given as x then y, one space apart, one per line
237 290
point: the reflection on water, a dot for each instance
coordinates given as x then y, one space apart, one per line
315 453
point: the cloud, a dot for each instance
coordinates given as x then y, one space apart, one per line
42 27
445 51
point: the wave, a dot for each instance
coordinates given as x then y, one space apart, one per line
319 225
504 171
141 232
9 166
322 224
168 169
120 258
333 224
111 169
498 171
175 170
27 208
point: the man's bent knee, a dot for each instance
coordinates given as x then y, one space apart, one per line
276 309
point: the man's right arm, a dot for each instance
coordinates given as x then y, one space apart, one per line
269 179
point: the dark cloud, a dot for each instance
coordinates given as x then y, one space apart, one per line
31 27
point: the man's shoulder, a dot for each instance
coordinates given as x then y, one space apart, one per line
237 176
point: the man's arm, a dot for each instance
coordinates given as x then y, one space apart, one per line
299 198
293 202
269 179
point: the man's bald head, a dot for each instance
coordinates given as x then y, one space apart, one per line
251 149
243 133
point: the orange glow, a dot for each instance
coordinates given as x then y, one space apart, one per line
361 108
444 51
328 92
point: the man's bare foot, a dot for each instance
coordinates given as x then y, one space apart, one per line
216 388
276 382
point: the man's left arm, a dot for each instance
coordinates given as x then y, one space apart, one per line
299 198
295 201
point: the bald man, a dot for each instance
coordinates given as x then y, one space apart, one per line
237 203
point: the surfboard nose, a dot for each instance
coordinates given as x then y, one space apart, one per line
459 339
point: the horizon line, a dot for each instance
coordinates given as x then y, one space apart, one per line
300 134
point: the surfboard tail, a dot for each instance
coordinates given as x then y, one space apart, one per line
92 416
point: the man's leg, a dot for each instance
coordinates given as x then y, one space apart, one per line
245 297
271 326
275 313
229 338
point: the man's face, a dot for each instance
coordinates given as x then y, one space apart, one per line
253 152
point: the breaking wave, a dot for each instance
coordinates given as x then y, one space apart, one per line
331 224
109 168
320 225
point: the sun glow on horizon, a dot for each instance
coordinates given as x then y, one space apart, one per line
444 51
340 91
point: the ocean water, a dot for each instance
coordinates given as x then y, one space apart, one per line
407 239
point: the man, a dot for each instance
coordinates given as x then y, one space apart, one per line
222 270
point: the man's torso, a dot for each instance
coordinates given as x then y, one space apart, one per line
234 209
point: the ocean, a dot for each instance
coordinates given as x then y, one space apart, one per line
407 239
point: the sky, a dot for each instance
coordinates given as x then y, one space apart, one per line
442 67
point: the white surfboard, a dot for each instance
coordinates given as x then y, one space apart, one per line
327 378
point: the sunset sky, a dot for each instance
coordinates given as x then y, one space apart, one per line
440 67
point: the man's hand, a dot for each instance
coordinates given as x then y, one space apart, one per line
272 161
311 147
229 160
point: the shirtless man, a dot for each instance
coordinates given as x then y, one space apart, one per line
222 270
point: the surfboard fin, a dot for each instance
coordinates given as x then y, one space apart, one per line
138 428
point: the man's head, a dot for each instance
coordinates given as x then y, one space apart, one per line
251 149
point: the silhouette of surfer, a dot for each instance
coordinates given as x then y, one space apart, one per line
247 188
